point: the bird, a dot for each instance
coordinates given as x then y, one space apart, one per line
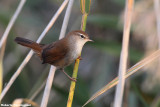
60 53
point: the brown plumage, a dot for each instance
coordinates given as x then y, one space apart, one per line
60 53
37 48
52 53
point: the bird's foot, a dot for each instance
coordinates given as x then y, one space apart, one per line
72 79
80 58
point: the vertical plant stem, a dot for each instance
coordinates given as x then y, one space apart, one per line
48 87
84 21
1 75
1 66
52 70
157 13
124 54
12 21
73 84
66 19
75 71
85 11
28 57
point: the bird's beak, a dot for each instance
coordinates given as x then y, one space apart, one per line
90 40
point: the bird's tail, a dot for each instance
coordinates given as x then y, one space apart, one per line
30 44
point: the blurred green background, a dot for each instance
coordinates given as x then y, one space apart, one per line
100 59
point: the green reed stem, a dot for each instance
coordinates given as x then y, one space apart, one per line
75 71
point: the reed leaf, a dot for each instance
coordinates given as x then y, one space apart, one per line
129 72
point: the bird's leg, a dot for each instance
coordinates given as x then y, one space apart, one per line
80 58
72 79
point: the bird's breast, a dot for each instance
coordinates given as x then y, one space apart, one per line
75 52
72 54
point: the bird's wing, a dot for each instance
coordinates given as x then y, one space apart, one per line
54 52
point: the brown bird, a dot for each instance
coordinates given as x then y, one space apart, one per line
60 53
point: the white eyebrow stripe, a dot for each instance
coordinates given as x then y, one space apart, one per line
82 34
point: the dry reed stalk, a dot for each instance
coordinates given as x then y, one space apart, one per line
130 71
11 22
4 39
157 13
29 55
1 66
124 54
53 69
66 19
48 87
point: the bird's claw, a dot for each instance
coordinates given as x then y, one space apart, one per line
73 79
80 58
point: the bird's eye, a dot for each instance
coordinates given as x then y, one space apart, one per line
82 36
